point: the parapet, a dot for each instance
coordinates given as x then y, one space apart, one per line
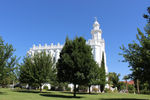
45 47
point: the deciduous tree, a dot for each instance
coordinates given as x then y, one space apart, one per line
37 69
8 63
138 55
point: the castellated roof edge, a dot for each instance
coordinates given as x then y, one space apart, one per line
45 46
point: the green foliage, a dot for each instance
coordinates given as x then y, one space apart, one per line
99 75
107 90
68 89
82 88
145 92
147 16
37 69
17 88
138 55
131 88
94 75
102 74
144 88
126 77
121 86
45 87
8 64
113 79
75 63
59 86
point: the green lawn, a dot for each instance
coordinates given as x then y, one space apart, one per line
8 94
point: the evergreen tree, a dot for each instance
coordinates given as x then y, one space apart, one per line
97 75
75 63
102 74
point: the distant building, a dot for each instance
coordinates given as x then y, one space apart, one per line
131 82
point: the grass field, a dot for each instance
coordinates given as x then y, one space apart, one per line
8 94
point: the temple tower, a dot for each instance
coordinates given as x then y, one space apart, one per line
97 44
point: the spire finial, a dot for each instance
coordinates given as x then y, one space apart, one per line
95 18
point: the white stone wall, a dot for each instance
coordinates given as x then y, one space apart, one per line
52 49
46 84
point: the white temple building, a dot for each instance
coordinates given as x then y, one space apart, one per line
97 44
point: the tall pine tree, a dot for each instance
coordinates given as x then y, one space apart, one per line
102 74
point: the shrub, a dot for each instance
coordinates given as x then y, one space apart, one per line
121 86
131 91
94 89
17 88
145 92
115 91
68 89
60 88
45 87
107 90
131 88
82 88
53 88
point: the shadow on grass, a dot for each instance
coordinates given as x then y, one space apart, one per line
122 99
2 93
29 91
59 96
82 93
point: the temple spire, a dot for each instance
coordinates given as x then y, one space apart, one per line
96 31
95 18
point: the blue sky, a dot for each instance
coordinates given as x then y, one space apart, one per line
27 22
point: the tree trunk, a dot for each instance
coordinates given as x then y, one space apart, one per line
74 94
89 89
40 88
29 86
138 90
126 86
109 86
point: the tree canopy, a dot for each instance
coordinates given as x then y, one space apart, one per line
101 74
75 63
113 79
138 54
37 69
8 63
